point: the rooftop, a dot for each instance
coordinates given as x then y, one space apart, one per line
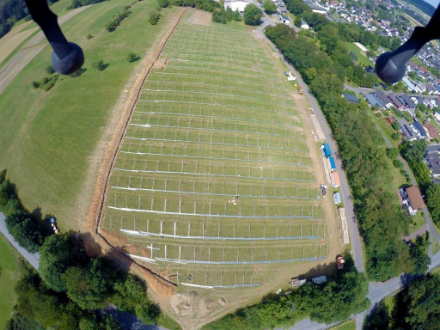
415 198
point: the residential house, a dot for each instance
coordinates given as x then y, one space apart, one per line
419 129
420 87
437 115
433 160
350 98
408 102
236 5
407 130
430 130
373 101
412 199
408 83
384 99
397 101
304 25
431 89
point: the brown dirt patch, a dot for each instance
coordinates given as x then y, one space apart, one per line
201 18
115 238
160 63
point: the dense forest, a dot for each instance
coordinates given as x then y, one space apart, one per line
325 68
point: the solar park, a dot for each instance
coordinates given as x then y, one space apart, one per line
214 182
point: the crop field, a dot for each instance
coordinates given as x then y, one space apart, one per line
214 185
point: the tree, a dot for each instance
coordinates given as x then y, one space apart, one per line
336 300
50 69
90 287
99 65
24 231
395 43
219 16
297 21
154 17
418 306
269 7
58 253
419 255
392 152
132 57
433 201
353 55
163 3
252 15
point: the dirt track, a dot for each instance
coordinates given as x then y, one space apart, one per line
31 49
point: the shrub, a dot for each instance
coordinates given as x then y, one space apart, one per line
132 57
114 23
35 84
99 65
163 3
392 152
50 69
154 17
89 36
219 16
397 163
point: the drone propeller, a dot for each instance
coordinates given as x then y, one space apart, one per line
391 66
67 57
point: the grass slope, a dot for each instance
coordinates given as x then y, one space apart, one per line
360 55
46 138
9 275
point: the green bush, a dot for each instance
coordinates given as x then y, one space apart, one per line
163 3
154 17
117 19
99 65
132 57
397 163
50 69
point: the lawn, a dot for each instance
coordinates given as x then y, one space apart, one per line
349 325
363 59
9 275
47 138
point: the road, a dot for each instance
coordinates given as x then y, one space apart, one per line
32 258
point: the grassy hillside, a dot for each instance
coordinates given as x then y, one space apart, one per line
46 138
9 275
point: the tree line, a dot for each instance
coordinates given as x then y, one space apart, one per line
362 150
334 301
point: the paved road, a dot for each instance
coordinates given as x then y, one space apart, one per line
32 258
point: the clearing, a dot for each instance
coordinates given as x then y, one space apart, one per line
215 185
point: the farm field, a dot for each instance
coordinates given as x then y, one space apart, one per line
9 275
214 185
48 140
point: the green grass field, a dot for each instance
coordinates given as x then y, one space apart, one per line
349 325
214 180
360 55
47 138
9 275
